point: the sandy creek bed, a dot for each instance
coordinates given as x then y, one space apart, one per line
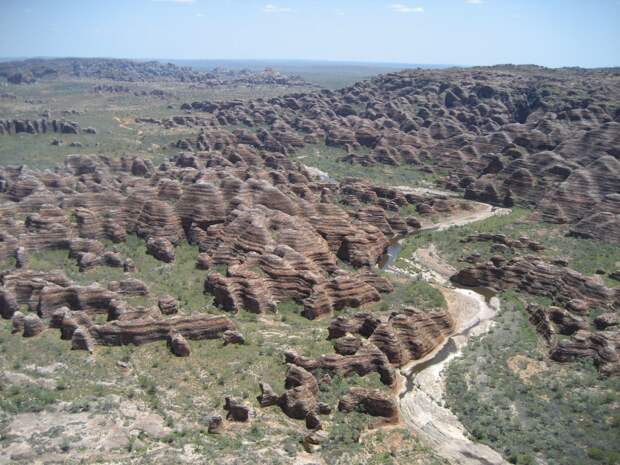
421 396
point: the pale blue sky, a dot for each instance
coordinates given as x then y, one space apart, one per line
467 32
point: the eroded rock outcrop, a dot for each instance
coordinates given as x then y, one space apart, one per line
525 138
370 401
268 231
300 400
178 344
602 347
407 335
168 305
141 331
38 126
237 410
520 243
130 71
536 276
367 360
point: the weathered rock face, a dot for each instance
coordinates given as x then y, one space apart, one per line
360 323
370 401
17 322
233 337
364 344
404 336
501 239
573 295
33 325
600 341
122 89
367 360
129 287
91 299
607 320
141 331
538 277
90 253
203 262
603 226
300 400
167 305
63 305
603 347
160 248
178 344
82 340
24 287
267 395
38 126
280 264
411 334
8 303
215 424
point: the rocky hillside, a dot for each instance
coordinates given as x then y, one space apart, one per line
268 230
544 138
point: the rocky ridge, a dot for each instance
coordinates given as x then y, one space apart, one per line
574 298
41 126
31 70
508 134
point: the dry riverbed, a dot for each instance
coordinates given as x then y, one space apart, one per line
421 397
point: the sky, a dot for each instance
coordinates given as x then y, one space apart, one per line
457 32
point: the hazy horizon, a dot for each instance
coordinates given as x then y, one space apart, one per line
236 60
290 61
451 32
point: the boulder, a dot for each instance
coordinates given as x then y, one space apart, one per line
33 325
161 249
17 322
237 410
178 344
233 337
81 340
8 303
215 424
167 305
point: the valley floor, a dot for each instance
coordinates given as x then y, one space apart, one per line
490 395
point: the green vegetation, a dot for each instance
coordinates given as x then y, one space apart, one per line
410 292
584 255
15 399
327 159
112 115
504 389
8 264
184 392
511 397
180 278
